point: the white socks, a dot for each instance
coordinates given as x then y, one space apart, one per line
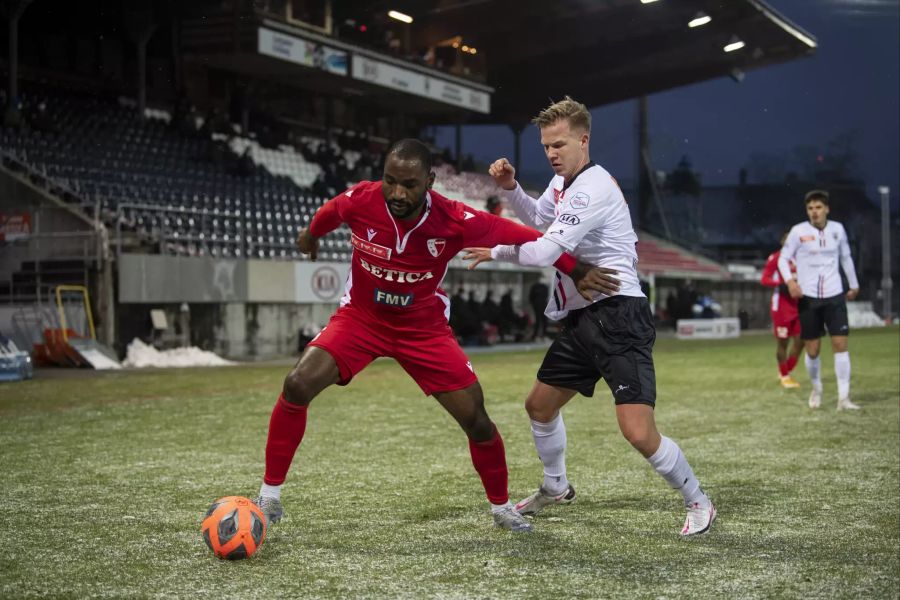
842 373
670 463
270 491
550 442
813 366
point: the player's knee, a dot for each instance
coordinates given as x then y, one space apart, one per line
639 437
297 389
540 410
479 428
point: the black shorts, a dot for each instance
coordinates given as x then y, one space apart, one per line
611 339
817 314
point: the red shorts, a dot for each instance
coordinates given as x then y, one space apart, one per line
431 356
785 325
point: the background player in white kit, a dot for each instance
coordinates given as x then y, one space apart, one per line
818 247
610 337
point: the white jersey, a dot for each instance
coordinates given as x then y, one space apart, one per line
817 253
590 219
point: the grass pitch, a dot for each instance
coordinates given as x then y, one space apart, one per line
106 478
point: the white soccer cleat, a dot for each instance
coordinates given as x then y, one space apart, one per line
509 518
699 519
541 499
846 404
815 398
270 507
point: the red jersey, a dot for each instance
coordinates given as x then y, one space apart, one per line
397 266
782 303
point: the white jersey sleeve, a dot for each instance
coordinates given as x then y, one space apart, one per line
534 212
847 261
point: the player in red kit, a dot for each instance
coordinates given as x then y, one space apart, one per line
785 320
403 236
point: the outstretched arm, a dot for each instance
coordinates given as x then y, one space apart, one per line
525 207
327 218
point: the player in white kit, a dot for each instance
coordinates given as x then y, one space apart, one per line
610 337
819 247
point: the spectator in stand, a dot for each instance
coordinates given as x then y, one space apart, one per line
494 206
245 165
538 296
490 310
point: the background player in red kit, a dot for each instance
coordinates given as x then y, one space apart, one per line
785 319
403 236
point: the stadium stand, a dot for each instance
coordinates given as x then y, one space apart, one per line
175 191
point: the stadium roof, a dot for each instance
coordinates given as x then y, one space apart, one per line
596 51
601 51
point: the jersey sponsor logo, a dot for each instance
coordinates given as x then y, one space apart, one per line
807 238
395 275
370 233
391 299
568 219
436 246
580 200
370 248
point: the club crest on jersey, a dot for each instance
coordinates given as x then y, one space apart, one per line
580 200
370 248
436 246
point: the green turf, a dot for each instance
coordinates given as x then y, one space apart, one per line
106 478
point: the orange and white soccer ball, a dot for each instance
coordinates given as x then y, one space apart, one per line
234 527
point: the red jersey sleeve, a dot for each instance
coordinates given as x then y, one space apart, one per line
770 276
334 212
486 230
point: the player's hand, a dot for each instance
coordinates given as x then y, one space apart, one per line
794 289
504 174
852 293
308 244
590 279
477 256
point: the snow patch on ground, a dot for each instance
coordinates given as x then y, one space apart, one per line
140 354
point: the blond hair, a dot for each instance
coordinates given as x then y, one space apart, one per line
571 110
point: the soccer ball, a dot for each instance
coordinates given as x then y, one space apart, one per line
234 527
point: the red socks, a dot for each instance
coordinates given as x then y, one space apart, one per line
286 428
489 459
791 363
787 366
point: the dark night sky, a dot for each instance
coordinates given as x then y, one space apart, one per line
850 85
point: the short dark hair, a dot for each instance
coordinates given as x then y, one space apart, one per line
820 195
412 149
